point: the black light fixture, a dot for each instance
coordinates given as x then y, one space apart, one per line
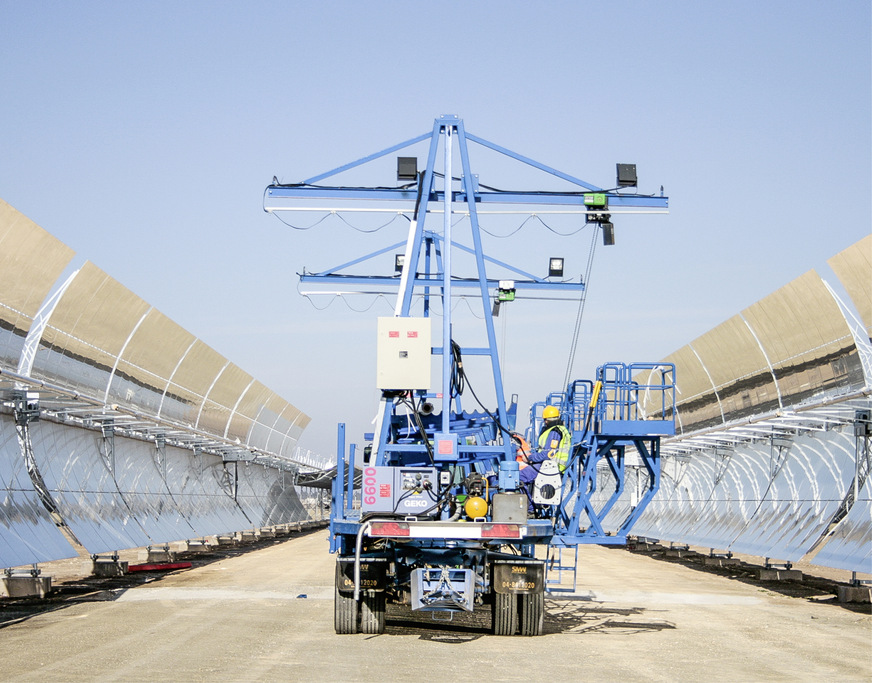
407 168
555 267
627 175
399 261
608 233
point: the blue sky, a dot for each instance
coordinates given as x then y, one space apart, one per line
143 135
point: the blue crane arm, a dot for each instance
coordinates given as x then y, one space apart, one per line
282 197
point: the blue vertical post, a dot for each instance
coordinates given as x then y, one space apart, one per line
482 278
349 491
338 505
446 287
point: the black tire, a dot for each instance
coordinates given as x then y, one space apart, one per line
531 611
344 609
372 612
505 614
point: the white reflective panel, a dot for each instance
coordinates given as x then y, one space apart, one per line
28 534
152 353
202 489
738 369
850 546
740 479
680 505
268 496
102 335
803 498
88 328
31 261
761 498
807 340
145 494
83 488
224 395
853 266
696 403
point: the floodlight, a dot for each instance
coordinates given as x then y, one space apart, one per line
407 168
399 261
627 175
555 267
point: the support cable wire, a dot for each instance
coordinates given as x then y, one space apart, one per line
527 220
581 302
341 218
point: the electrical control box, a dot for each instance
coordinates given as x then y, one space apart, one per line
403 491
403 354
445 447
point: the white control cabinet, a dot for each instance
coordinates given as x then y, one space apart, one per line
403 353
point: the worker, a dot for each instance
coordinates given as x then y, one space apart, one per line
554 442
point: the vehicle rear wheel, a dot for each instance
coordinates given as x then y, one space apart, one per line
344 609
531 609
505 614
372 612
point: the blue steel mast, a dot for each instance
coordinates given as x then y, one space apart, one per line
279 197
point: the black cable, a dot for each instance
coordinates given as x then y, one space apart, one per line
555 193
455 349
354 227
297 227
410 403
457 376
420 183
580 313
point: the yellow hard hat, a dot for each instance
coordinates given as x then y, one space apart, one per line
550 413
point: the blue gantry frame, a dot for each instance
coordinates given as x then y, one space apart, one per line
435 279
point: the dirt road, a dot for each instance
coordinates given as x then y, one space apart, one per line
267 615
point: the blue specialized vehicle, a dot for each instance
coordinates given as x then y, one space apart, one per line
439 517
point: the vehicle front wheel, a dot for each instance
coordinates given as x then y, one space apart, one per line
344 608
505 614
372 612
531 610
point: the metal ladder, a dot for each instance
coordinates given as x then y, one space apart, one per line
556 565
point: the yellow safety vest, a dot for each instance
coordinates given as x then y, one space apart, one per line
556 442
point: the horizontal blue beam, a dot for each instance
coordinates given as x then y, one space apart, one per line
466 351
436 282
274 193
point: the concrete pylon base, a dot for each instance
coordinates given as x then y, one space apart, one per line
779 575
156 555
861 594
108 568
25 586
